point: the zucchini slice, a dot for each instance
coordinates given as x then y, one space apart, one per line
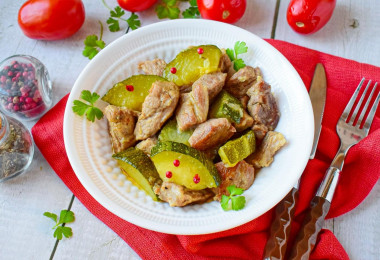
227 106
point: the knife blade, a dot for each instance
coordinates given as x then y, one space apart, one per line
275 247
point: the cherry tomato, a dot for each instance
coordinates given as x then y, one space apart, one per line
136 5
308 16
228 11
51 19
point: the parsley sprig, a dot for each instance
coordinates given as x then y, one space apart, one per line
116 15
66 216
81 108
239 48
93 44
237 201
192 11
168 9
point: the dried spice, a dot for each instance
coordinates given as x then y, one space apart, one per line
15 148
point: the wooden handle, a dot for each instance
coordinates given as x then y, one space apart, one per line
307 236
280 229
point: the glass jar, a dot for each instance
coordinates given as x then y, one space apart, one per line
25 87
16 148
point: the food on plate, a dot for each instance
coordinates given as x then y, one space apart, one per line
228 11
137 165
264 155
131 92
309 16
192 138
51 19
184 165
238 149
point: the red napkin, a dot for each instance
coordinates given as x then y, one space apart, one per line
361 172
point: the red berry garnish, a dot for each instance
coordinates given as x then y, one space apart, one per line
129 87
200 51
173 70
176 163
168 174
196 179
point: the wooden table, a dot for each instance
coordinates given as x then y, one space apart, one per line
26 234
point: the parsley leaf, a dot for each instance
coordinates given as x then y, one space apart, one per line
168 9
113 24
133 21
66 216
93 44
81 108
192 11
239 48
237 201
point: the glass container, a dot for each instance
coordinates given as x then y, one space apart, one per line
25 87
16 147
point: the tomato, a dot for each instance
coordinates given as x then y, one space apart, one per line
228 11
308 16
51 19
136 5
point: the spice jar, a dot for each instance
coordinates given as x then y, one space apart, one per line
16 148
25 87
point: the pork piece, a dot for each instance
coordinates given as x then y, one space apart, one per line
263 157
211 133
242 80
153 67
179 196
244 101
147 145
193 107
226 65
245 122
241 175
121 123
158 106
263 108
214 83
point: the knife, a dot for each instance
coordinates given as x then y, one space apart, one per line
275 247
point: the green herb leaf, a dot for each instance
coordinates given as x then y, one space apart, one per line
80 108
231 54
51 216
93 44
168 9
133 21
113 25
117 12
237 201
192 11
239 64
240 48
66 216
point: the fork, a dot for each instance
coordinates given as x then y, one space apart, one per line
350 129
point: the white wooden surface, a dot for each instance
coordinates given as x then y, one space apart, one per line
26 234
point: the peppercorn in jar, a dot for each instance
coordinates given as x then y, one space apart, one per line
25 87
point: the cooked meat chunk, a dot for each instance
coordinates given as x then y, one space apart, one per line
158 106
244 101
153 67
245 122
263 156
179 196
225 65
211 133
147 145
241 81
193 107
263 108
214 83
121 123
241 175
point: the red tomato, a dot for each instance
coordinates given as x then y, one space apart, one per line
308 16
136 5
51 19
228 11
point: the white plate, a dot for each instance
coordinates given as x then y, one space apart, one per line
88 144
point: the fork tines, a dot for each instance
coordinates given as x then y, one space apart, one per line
355 119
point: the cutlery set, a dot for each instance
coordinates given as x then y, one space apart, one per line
353 125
